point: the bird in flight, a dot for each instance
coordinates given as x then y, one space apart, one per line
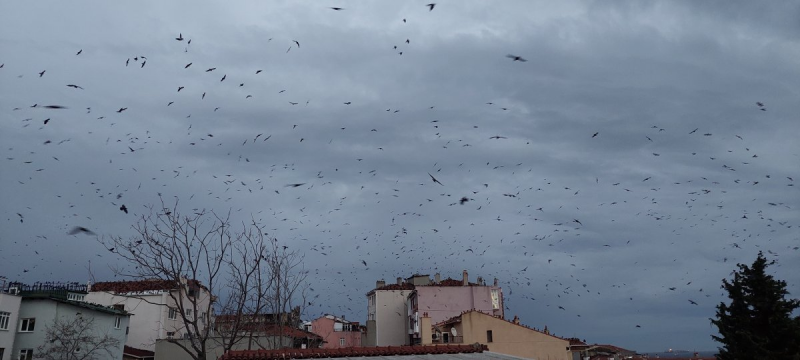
516 58
74 86
435 180
295 185
122 109
42 73
53 107
431 6
498 137
79 52
692 302
296 42
595 134
180 37
80 229
223 78
337 8
187 65
124 208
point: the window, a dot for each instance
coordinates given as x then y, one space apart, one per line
170 334
495 299
337 326
120 307
4 318
308 327
173 313
26 354
2 352
76 297
117 322
188 313
341 341
27 325
488 336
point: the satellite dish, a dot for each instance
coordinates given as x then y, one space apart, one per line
453 331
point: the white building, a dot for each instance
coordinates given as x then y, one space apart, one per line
155 306
9 313
387 318
41 304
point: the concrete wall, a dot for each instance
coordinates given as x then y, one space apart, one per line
444 302
324 326
169 350
10 304
46 311
150 320
391 319
511 339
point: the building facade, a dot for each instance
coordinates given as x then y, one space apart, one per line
9 315
42 304
499 335
387 323
336 332
159 307
444 299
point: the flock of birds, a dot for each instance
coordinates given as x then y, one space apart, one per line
533 229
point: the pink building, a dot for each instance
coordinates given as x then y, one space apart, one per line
336 332
444 299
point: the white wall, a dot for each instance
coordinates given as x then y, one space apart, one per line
9 303
391 328
150 320
46 311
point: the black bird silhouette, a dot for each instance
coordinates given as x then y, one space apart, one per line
431 6
760 104
348 103
498 137
187 65
595 134
258 71
577 221
211 69
295 185
74 86
296 42
463 200
180 37
337 8
223 77
122 109
53 107
180 88
364 262
434 179
80 229
42 73
124 208
79 52
143 62
692 302
516 58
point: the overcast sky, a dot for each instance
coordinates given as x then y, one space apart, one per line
626 156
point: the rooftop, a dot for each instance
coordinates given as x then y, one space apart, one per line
407 352
121 287
80 304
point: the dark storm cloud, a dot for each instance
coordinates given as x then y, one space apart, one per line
659 205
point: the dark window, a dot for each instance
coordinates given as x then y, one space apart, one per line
120 307
445 338
488 336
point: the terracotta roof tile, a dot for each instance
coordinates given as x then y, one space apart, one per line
351 352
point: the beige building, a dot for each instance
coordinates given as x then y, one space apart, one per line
387 318
155 308
501 336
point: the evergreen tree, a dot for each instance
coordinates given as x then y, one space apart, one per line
758 323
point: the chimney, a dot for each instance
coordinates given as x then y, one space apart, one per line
379 284
516 320
495 282
437 278
399 281
465 281
480 280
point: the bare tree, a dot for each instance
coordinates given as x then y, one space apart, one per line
76 339
202 250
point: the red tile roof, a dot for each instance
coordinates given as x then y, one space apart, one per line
138 353
452 282
139 286
351 352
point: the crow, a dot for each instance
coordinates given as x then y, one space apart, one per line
180 37
74 86
211 69
187 65
516 58
295 185
80 229
124 208
431 6
337 8
434 179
